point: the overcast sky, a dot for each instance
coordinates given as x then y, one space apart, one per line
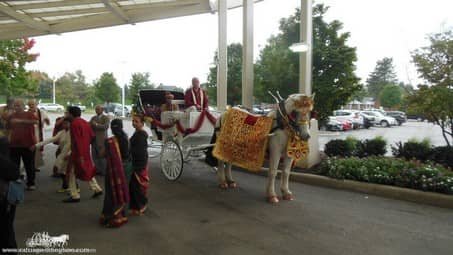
175 50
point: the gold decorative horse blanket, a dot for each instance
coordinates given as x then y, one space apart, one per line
243 139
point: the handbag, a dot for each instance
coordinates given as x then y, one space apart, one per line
16 192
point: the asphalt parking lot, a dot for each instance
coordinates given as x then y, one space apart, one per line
409 130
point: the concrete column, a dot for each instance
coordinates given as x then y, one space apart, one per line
305 78
247 54
306 36
222 66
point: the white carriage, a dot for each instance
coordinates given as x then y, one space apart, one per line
176 135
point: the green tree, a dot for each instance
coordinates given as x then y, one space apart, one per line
334 81
234 76
44 84
383 74
65 90
391 96
106 88
435 100
15 79
138 81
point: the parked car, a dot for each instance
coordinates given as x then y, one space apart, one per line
82 107
368 120
417 117
334 125
350 115
116 109
399 116
381 119
50 107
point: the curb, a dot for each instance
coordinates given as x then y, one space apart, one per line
416 196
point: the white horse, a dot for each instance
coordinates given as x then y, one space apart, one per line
298 104
59 241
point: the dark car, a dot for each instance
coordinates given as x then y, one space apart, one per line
417 117
399 116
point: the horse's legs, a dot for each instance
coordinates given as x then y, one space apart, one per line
274 159
221 175
229 177
284 185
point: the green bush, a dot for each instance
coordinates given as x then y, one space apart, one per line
339 147
443 155
389 171
372 147
413 149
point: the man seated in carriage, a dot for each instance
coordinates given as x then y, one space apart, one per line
195 98
169 106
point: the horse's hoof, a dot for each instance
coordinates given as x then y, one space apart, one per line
288 197
273 199
223 185
232 184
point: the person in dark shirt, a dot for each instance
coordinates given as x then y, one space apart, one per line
8 172
138 185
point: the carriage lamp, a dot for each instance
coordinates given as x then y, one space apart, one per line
299 47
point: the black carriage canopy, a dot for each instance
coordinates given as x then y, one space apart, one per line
151 99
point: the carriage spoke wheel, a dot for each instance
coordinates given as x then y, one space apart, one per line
171 160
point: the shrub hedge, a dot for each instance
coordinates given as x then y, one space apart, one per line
389 171
424 152
353 147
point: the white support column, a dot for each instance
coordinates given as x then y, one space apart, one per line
305 78
247 54
306 36
53 90
222 66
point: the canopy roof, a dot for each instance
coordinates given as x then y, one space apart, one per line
20 19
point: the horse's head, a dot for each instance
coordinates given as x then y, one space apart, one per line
302 105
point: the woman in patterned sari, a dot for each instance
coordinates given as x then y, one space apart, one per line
116 185
138 185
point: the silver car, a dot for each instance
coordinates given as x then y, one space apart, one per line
50 107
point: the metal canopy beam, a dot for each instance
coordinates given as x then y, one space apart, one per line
25 19
117 11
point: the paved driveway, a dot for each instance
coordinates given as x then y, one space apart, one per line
191 216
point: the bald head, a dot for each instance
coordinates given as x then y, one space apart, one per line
195 83
32 105
18 105
99 109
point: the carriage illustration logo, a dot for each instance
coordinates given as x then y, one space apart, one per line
44 240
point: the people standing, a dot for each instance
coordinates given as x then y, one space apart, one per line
42 119
63 138
100 124
5 112
116 187
22 137
169 106
8 172
196 97
80 163
139 182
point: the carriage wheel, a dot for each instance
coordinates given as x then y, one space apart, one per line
171 160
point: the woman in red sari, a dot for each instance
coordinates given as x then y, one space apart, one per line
116 186
138 185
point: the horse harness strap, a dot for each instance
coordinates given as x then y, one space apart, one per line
284 121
